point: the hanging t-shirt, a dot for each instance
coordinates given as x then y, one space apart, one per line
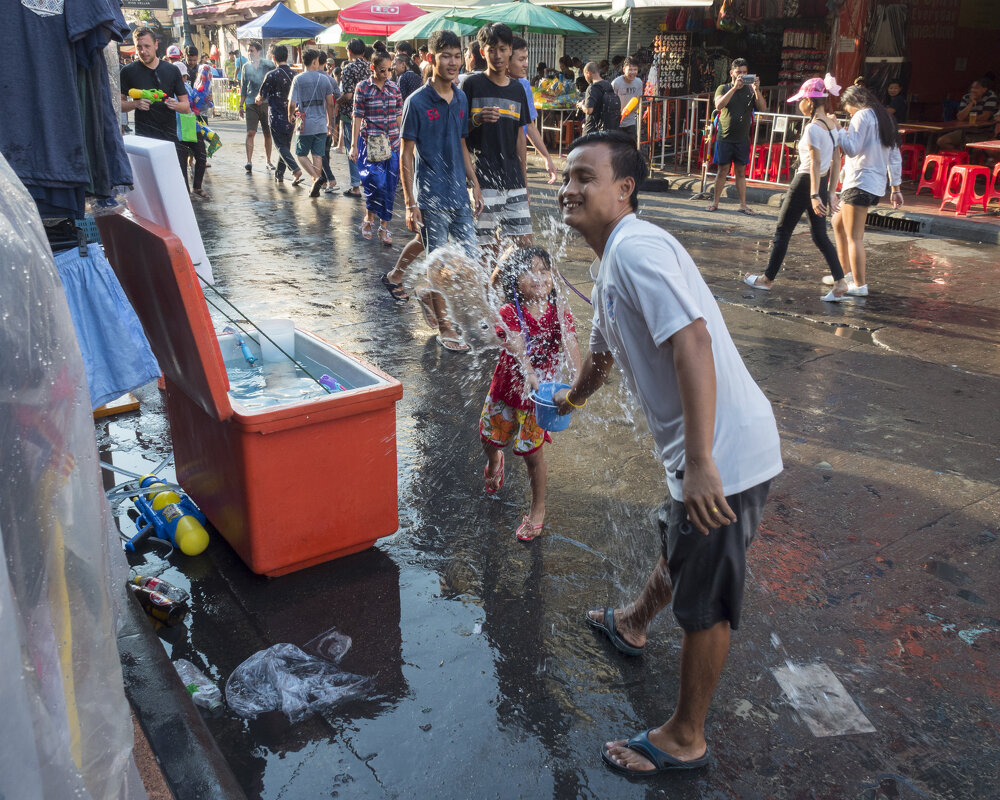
816 135
493 145
646 289
160 122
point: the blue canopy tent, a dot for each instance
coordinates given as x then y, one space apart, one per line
280 23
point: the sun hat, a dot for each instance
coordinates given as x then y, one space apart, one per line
173 51
816 87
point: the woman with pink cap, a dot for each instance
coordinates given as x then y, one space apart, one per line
813 189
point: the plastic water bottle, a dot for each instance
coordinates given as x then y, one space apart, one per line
204 693
175 593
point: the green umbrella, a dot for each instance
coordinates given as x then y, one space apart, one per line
523 16
423 27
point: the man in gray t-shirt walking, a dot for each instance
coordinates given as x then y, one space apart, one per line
251 77
312 101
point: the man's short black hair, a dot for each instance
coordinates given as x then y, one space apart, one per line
356 47
628 61
280 52
255 46
380 46
322 55
443 40
517 43
493 34
626 160
739 62
309 56
191 50
404 47
138 33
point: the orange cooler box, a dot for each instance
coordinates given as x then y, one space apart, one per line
289 485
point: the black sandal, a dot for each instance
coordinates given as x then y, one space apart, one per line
395 289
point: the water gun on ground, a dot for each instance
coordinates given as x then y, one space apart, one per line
152 95
212 140
170 516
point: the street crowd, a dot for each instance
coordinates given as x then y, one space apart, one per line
457 144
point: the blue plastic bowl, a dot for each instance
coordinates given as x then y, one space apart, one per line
548 416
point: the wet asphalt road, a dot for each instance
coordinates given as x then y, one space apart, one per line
878 554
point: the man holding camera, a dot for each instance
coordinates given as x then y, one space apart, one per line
735 102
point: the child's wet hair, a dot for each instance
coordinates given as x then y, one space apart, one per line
515 264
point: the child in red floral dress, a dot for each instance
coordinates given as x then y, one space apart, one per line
533 332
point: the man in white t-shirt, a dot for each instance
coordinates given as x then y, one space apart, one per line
714 431
626 86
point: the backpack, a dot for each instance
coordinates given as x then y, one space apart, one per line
610 112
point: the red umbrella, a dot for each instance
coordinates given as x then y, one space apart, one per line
377 19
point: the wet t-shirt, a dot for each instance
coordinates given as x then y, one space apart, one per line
543 345
647 288
159 122
493 145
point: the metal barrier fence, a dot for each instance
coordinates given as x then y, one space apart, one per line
226 96
671 130
772 139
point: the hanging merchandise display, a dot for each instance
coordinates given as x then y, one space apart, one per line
671 53
803 54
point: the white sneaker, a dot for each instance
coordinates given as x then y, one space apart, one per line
857 291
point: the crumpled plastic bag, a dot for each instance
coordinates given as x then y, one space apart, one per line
286 678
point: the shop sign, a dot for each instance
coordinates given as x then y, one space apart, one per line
934 19
145 4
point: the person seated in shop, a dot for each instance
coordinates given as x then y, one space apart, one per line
978 106
895 102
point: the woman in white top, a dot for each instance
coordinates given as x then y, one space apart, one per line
815 181
871 145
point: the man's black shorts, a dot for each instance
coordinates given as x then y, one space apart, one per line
708 572
732 152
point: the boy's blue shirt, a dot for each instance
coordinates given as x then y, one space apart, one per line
437 128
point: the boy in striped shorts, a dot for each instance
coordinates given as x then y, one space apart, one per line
497 111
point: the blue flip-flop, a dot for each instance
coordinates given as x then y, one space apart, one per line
607 627
664 762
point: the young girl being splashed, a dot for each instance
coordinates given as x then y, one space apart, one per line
533 329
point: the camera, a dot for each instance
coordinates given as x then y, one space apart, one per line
749 79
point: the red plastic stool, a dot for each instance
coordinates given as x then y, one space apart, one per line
571 130
758 163
934 174
913 156
955 156
960 188
780 162
993 191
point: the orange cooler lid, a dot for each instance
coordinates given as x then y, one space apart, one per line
156 273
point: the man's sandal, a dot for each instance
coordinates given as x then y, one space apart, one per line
395 289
